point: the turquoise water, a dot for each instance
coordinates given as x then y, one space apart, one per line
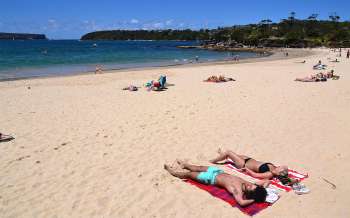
22 59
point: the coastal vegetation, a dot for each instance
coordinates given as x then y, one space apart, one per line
289 32
21 36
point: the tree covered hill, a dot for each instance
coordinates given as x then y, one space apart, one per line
289 32
21 36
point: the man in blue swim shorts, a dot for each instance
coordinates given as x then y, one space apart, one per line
209 176
244 192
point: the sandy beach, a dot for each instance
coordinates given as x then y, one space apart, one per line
85 148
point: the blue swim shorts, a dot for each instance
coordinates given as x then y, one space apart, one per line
209 176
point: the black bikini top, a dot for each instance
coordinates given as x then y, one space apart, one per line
264 168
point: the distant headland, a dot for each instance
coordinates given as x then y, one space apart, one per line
290 32
22 36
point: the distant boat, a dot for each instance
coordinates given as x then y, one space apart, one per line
94 45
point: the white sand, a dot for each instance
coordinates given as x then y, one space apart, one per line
84 148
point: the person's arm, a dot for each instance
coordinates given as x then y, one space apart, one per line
238 195
244 202
266 175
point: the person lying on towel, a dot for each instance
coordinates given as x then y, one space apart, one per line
319 77
219 79
244 192
257 169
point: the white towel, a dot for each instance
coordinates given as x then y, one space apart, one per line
272 195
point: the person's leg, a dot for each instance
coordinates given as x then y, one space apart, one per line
192 168
237 159
306 79
181 175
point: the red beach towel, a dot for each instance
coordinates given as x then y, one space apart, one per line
224 195
274 182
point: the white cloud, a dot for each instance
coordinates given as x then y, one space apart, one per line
158 25
169 22
52 24
134 21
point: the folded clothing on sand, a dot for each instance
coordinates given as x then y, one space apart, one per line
224 195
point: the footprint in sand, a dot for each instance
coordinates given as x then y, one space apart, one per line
21 158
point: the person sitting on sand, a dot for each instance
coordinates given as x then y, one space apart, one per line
157 85
330 75
244 192
257 169
319 66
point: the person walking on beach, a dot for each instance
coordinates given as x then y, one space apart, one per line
244 192
98 69
348 54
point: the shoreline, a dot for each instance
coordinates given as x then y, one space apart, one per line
274 54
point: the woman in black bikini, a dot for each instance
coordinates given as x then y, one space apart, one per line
256 168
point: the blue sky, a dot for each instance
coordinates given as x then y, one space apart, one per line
70 19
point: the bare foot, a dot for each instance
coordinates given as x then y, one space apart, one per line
172 172
181 163
167 167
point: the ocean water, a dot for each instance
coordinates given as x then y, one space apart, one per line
23 59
